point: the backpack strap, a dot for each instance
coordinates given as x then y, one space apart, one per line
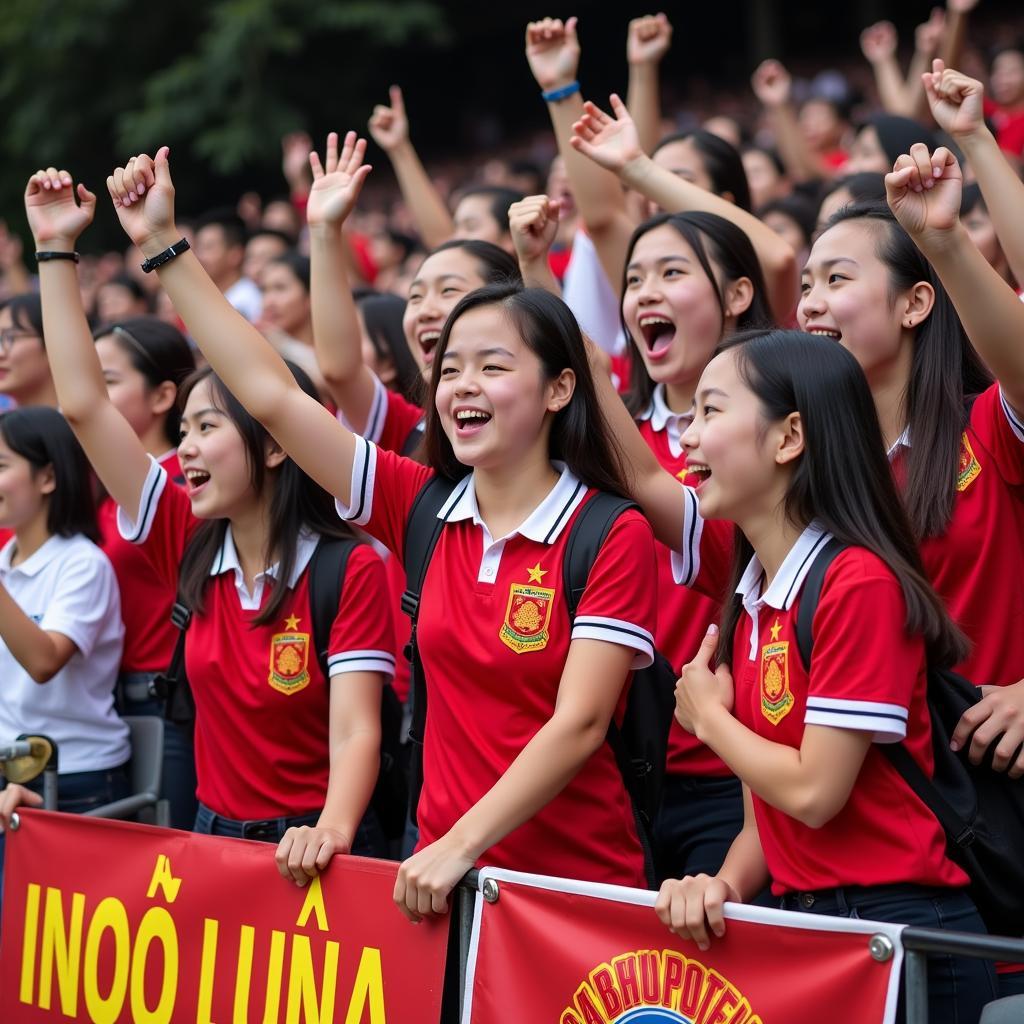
173 686
422 532
810 594
327 570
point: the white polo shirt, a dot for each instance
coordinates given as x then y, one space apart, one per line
67 586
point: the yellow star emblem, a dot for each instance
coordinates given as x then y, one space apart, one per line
537 574
291 623
776 629
681 475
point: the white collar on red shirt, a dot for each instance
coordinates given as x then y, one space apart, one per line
543 524
37 561
227 561
903 441
783 590
663 418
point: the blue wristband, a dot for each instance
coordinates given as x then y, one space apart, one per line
561 94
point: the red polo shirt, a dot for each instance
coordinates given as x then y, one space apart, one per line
262 703
494 636
977 565
146 598
683 614
866 674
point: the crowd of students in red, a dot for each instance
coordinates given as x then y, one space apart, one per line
766 344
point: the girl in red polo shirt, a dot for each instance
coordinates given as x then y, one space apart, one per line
517 770
783 420
282 754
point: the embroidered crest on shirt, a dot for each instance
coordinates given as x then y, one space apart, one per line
969 466
776 697
289 658
528 613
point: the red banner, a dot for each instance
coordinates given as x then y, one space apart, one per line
555 952
113 922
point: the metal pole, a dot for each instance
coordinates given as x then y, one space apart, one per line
917 987
467 905
50 788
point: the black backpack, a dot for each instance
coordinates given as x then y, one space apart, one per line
326 573
980 810
640 744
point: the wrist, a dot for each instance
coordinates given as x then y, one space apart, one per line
57 244
326 231
707 721
976 140
549 83
155 244
464 843
635 170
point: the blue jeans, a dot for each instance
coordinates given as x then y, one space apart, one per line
178 777
700 816
369 840
958 987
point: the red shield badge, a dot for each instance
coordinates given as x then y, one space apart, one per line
289 659
526 618
969 466
776 698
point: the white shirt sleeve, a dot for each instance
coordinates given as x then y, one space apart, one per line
86 599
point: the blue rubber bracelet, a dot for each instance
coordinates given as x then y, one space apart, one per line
561 94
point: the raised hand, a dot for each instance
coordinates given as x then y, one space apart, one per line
553 52
961 6
611 142
928 35
389 126
143 197
878 42
649 39
338 182
956 101
295 147
533 223
772 84
53 215
923 190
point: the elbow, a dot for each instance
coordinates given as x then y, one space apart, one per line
816 807
42 672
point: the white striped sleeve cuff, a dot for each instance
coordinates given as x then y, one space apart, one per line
364 470
686 561
887 722
616 631
136 529
361 661
1016 423
377 416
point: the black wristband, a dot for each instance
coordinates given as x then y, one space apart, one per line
166 256
43 257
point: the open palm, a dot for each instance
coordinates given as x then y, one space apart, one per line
338 181
52 211
611 142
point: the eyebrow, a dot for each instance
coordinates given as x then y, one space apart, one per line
713 391
203 412
662 260
496 351
444 277
825 264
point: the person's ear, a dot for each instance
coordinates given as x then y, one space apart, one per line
738 297
918 304
274 454
561 389
790 444
163 397
46 479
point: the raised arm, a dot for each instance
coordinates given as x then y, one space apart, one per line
773 87
553 52
923 192
245 361
648 41
927 40
336 335
109 442
613 143
389 128
533 224
956 105
878 43
956 30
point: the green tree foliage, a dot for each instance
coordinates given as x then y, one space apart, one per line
86 82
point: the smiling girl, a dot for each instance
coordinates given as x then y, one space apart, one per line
517 770
237 543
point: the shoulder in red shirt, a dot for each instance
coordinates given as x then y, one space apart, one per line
867 674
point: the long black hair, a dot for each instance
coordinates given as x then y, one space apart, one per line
42 436
580 435
297 504
945 372
159 352
842 480
382 315
714 240
722 163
